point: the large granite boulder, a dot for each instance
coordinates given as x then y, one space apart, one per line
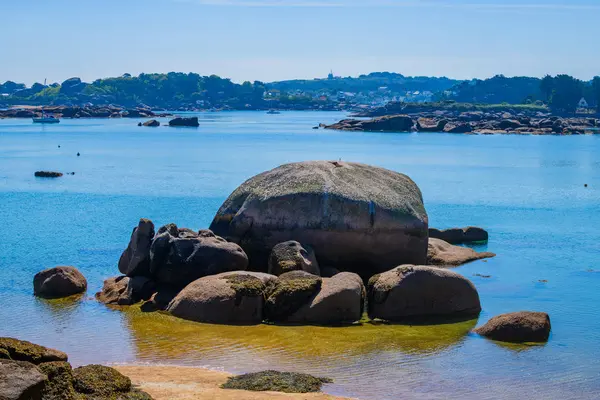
469 234
410 291
21 381
135 260
356 217
517 327
59 282
292 256
125 291
180 256
21 350
443 253
340 300
289 294
228 298
191 121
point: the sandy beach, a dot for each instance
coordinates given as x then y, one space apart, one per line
188 383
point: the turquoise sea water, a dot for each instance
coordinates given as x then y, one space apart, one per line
528 191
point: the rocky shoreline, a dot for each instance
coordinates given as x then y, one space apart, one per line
109 111
473 122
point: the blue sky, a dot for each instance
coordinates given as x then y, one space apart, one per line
284 39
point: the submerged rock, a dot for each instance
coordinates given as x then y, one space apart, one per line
517 327
292 256
180 256
356 217
228 298
191 121
410 291
57 282
442 253
135 260
287 382
21 350
469 234
20 381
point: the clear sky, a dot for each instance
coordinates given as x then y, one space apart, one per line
283 39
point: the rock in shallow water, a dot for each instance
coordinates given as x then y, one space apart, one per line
441 253
356 217
410 291
135 260
469 234
125 291
59 282
517 327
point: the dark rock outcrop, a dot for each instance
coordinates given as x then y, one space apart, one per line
410 291
292 256
228 298
388 123
431 125
517 327
180 256
442 253
47 174
356 217
452 127
21 381
59 282
152 122
21 350
189 121
469 234
125 291
135 260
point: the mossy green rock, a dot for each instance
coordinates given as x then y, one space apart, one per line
21 350
287 382
356 217
99 380
60 381
289 293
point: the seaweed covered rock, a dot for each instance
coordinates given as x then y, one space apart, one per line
442 253
289 293
125 291
180 256
470 234
292 256
517 327
287 382
135 260
60 381
410 291
59 282
339 301
21 380
227 298
99 380
356 217
21 350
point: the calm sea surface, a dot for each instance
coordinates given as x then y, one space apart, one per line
528 191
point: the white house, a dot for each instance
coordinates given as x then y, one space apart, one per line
583 103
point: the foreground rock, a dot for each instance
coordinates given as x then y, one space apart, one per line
47 174
442 253
59 282
180 256
60 381
388 123
135 260
228 298
292 256
20 381
518 327
469 234
21 350
410 291
125 291
274 381
191 121
356 217
339 301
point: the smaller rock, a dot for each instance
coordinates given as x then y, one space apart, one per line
191 121
152 122
124 291
21 350
458 128
292 256
57 282
274 381
442 253
518 327
48 174
100 381
20 381
289 293
469 234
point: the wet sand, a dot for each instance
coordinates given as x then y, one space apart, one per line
187 383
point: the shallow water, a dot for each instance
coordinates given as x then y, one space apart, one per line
528 191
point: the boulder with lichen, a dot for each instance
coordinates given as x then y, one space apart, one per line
292 256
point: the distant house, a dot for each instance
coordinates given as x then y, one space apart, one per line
583 103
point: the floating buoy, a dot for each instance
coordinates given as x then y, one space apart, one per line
78 154
585 185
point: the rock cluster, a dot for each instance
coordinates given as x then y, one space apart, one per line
109 111
474 122
32 372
